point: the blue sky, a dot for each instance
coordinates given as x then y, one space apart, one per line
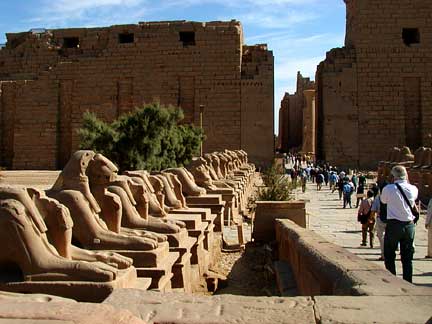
298 31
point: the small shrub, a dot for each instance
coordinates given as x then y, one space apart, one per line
278 186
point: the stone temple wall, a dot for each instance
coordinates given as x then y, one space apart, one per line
375 93
257 96
49 78
291 110
283 136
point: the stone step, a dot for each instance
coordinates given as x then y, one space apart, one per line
164 283
182 273
209 236
217 210
201 211
175 239
160 273
186 246
147 259
191 221
143 283
204 200
197 231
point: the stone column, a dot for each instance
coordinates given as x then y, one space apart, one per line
309 122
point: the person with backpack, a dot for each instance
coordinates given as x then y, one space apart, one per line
402 216
303 179
332 180
379 211
326 175
319 180
340 185
347 190
313 174
294 175
354 180
360 194
362 179
367 219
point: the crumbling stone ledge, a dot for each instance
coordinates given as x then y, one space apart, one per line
338 287
323 268
179 308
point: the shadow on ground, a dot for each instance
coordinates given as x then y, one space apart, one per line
349 232
251 274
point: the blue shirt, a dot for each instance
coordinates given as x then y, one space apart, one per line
376 204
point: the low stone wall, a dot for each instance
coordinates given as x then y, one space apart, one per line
268 211
367 293
179 308
323 268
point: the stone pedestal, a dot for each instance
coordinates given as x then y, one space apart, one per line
196 229
212 202
268 211
207 217
182 278
84 291
155 264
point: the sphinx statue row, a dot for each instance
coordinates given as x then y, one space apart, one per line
95 230
419 167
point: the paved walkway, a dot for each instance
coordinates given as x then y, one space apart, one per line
340 226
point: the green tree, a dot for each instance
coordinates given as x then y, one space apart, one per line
97 135
148 138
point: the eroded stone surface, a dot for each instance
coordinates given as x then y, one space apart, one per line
323 268
61 312
181 308
373 309
36 237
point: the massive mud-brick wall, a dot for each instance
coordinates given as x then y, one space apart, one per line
283 134
291 116
257 96
376 92
48 79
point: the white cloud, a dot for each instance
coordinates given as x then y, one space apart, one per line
281 2
268 14
256 3
80 5
292 43
63 13
286 71
275 20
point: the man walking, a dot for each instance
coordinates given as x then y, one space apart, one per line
319 180
347 190
354 180
333 180
303 179
367 219
400 198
